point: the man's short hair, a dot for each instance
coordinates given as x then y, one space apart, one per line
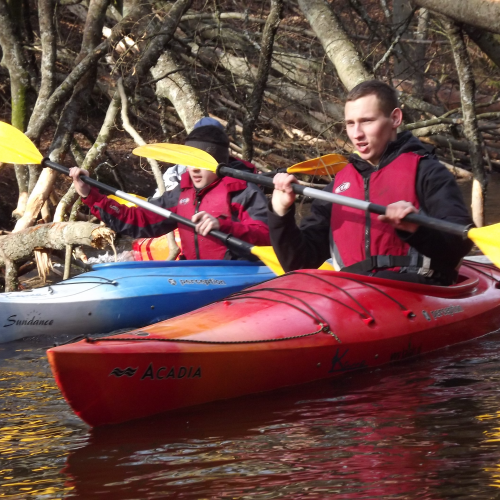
386 95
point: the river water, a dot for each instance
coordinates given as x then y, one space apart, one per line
428 428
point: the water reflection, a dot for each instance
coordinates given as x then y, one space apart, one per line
406 431
361 445
34 439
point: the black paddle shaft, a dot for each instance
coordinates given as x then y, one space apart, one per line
227 239
423 220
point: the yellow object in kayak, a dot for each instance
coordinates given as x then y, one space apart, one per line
154 248
121 201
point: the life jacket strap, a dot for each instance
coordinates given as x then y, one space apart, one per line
384 262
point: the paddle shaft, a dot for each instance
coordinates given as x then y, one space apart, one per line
227 239
338 199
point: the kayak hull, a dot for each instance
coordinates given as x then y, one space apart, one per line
123 295
292 330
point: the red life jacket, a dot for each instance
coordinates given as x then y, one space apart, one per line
359 236
214 199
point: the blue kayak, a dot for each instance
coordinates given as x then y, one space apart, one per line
123 295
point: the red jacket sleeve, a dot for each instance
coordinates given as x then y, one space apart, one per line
133 221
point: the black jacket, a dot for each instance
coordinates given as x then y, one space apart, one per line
438 195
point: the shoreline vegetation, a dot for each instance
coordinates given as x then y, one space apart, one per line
89 80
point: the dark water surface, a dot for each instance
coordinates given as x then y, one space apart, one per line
427 428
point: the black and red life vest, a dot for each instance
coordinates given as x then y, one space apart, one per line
214 199
360 242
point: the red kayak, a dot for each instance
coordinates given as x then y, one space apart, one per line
300 327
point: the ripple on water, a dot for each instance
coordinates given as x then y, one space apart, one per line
36 428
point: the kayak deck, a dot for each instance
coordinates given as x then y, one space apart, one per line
123 295
301 327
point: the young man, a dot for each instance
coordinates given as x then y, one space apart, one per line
229 205
172 175
387 168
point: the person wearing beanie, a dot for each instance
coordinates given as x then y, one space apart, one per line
230 205
213 138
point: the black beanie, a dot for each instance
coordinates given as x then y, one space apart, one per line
211 139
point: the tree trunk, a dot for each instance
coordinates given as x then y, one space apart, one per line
265 61
47 64
92 156
480 13
337 45
15 61
419 53
471 132
403 67
173 84
488 42
64 132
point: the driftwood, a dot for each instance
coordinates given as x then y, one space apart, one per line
20 246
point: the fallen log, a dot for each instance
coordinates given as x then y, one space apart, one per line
21 245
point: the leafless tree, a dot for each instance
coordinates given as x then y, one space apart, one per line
274 73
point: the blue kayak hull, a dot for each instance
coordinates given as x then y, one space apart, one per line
123 295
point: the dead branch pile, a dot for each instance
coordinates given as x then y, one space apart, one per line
87 80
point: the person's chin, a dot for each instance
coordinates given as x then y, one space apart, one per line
365 156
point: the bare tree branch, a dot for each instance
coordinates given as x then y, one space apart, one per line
255 101
398 36
92 156
178 90
336 43
158 43
471 132
137 138
480 13
66 125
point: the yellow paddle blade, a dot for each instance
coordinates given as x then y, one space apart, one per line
15 147
324 165
178 153
488 240
326 266
267 255
121 201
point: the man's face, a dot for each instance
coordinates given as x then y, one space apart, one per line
201 177
369 129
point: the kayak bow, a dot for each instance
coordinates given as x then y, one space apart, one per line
294 329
